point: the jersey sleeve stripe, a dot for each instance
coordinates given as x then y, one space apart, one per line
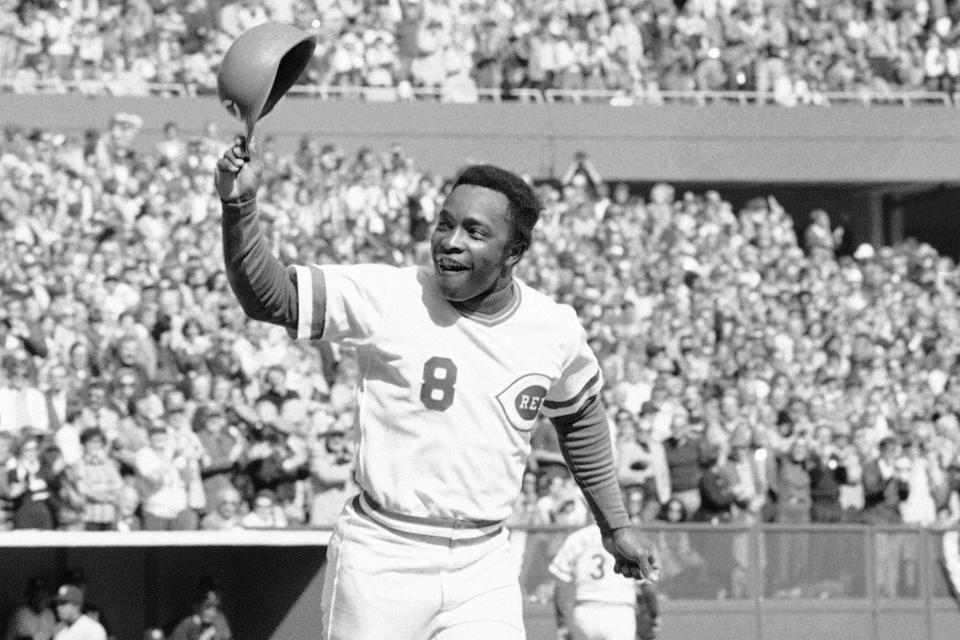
310 302
556 405
560 574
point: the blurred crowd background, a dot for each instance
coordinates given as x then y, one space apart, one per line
753 373
794 51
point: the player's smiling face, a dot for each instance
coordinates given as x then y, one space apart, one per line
470 247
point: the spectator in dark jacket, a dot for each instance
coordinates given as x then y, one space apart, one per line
717 496
717 499
684 452
827 474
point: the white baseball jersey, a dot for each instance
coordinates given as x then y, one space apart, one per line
583 561
446 400
84 628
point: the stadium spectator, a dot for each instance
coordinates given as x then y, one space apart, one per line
265 512
789 55
926 484
819 237
273 465
128 501
66 500
684 451
189 452
332 464
163 488
22 403
790 490
98 482
28 486
886 486
749 484
828 473
223 447
643 463
226 513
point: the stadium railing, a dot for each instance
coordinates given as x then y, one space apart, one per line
768 561
96 87
769 582
528 95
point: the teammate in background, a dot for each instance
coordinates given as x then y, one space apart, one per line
34 619
593 601
74 624
207 621
457 360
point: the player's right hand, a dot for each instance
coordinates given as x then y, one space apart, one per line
238 172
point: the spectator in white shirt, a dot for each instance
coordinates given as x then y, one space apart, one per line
266 513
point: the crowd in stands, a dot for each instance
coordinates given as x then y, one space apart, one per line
792 51
752 373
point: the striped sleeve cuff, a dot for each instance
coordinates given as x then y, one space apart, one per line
311 302
572 405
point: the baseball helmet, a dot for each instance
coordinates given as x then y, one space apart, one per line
260 67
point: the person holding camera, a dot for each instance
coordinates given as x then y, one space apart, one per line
828 472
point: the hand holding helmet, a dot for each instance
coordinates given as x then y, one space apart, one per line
260 67
238 173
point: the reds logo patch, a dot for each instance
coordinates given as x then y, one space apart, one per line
521 401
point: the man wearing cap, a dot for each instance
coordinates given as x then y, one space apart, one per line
74 625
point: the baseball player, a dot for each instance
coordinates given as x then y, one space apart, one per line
74 624
593 601
457 360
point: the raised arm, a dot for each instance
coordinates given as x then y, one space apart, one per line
266 290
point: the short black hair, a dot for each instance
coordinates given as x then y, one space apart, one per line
524 204
90 433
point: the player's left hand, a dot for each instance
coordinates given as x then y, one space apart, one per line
634 555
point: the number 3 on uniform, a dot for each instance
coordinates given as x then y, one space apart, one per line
439 376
